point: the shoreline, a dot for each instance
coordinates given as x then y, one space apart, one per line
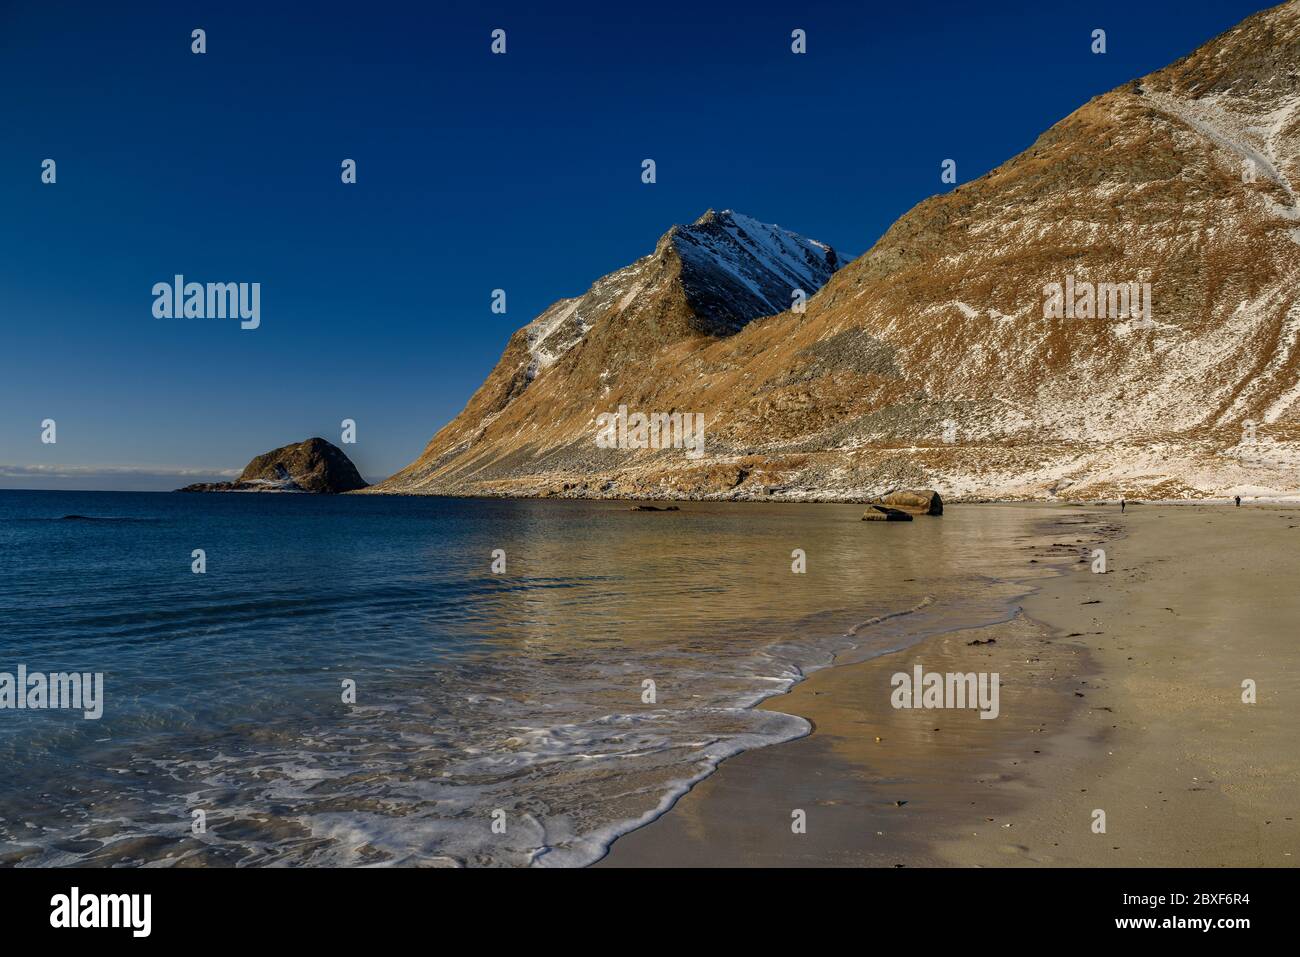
1285 498
1109 702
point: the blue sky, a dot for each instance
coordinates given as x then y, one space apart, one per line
475 172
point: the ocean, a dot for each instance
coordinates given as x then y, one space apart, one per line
527 716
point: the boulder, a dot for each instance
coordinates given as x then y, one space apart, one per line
879 513
917 501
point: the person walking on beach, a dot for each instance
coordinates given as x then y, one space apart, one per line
1121 506
1237 499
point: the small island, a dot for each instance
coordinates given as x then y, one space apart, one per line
314 466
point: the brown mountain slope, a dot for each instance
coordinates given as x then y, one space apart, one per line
617 342
929 360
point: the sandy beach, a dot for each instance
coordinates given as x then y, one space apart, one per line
1119 692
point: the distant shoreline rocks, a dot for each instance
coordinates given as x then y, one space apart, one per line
314 467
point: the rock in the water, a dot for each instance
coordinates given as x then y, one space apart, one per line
654 508
918 501
311 466
879 513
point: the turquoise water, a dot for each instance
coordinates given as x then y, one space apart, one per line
518 699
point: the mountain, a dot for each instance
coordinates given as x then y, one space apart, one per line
311 466
961 351
534 413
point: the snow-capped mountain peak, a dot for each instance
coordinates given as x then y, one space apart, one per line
731 268
736 269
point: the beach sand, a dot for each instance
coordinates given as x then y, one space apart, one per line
1119 692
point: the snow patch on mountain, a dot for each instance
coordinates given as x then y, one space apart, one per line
1256 138
753 268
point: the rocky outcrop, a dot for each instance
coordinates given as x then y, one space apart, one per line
917 501
314 466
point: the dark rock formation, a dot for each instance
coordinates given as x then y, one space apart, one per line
312 466
879 513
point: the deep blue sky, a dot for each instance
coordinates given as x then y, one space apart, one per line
475 172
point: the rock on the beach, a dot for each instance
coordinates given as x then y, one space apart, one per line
880 513
919 501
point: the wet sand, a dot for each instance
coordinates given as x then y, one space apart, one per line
1119 692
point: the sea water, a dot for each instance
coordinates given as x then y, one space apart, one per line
526 716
